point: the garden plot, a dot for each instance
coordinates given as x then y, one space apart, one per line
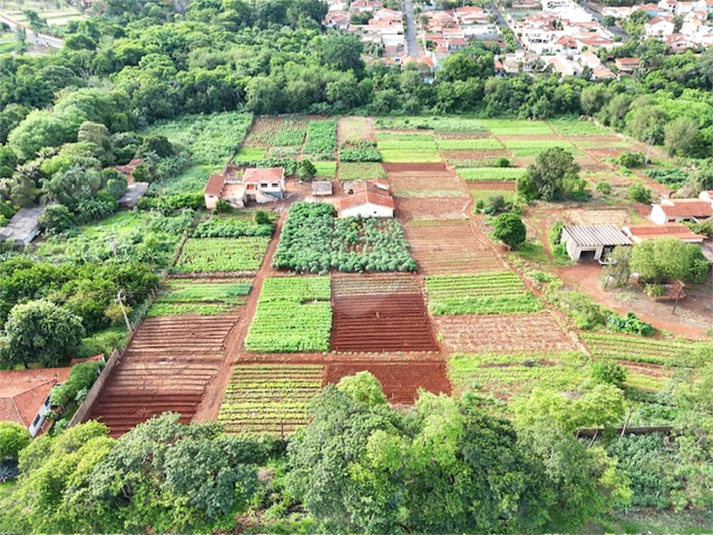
374 284
413 147
500 292
446 247
425 183
431 208
438 123
482 192
269 398
400 380
355 128
569 128
321 139
269 131
217 255
474 158
293 315
511 127
204 297
530 148
487 143
490 174
380 321
638 349
166 367
508 376
353 171
502 333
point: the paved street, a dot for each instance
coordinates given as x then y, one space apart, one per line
411 37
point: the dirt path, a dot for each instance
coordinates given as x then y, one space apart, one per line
213 397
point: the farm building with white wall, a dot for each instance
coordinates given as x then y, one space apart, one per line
592 241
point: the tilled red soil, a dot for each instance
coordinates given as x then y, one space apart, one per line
486 185
400 381
415 167
378 323
166 367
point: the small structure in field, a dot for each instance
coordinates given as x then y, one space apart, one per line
23 227
24 396
128 169
133 194
639 233
321 188
680 210
592 241
371 198
257 185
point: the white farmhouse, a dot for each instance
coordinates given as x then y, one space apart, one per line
371 198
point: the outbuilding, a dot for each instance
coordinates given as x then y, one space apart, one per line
322 188
23 227
371 198
592 241
681 210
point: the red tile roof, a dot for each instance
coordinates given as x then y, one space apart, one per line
368 192
672 230
23 392
270 174
687 208
215 185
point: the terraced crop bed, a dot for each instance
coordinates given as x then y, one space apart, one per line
211 255
442 247
269 398
511 333
499 292
377 322
636 348
491 173
427 183
400 380
166 367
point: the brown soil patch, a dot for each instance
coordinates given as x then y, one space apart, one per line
444 248
502 333
489 185
414 168
413 208
350 128
618 218
461 134
424 181
386 322
643 368
166 367
400 381
604 152
484 154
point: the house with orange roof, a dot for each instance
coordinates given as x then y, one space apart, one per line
639 233
371 198
24 396
256 185
681 210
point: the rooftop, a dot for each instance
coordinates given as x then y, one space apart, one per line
268 174
215 185
22 223
370 191
686 208
595 235
672 230
23 392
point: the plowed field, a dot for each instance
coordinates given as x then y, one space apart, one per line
450 247
400 381
380 321
502 333
166 367
414 208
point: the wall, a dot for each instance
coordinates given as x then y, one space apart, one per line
93 394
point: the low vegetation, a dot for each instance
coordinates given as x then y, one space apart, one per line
210 255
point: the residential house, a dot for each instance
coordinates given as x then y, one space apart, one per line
685 7
591 241
681 210
627 66
651 9
599 71
566 44
668 6
703 5
23 227
563 65
677 43
639 233
616 12
24 396
337 19
371 198
659 26
594 42
256 185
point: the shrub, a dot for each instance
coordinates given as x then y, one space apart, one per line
554 237
306 170
608 372
631 160
493 205
80 380
509 229
604 188
13 439
222 207
630 324
502 162
639 193
262 217
57 218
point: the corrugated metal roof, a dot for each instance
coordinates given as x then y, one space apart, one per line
596 235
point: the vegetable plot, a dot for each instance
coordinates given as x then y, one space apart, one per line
501 292
314 241
269 398
637 349
321 139
293 315
211 255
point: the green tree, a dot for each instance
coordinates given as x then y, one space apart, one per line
639 193
475 63
13 439
57 218
306 170
618 270
664 259
549 176
40 331
608 372
682 138
39 129
509 229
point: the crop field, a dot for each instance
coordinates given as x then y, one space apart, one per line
211 138
400 380
325 169
569 128
512 333
488 143
355 128
263 132
350 171
500 292
398 147
269 398
293 315
424 181
166 367
230 292
321 139
636 348
211 255
251 153
184 309
531 148
376 322
314 241
508 376
511 127
490 173
431 208
508 193
374 284
359 151
447 247
436 122
57 13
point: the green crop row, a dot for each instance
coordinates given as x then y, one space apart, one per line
488 143
360 170
182 309
321 138
210 255
359 151
491 173
293 315
231 228
638 349
524 303
207 293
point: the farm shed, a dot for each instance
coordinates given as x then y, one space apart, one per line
639 233
680 210
213 190
133 194
371 198
321 187
24 395
592 241
23 227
